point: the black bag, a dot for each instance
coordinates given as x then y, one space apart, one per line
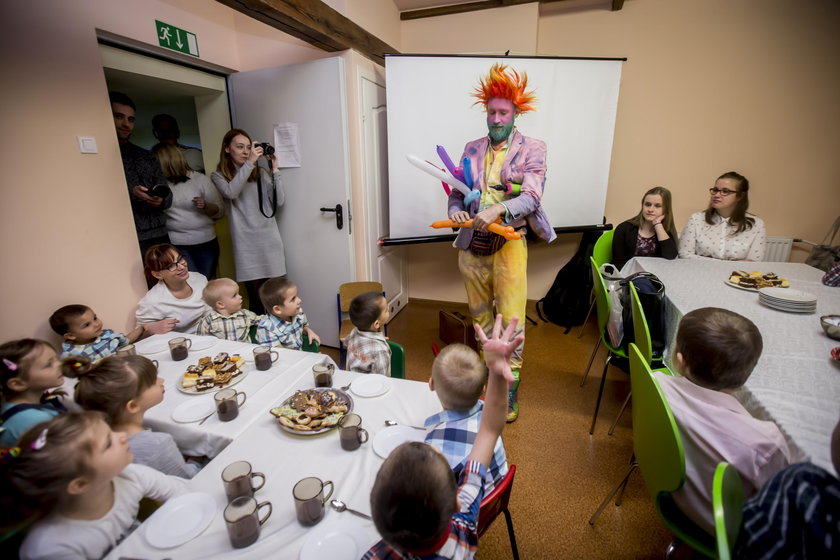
567 301
824 255
651 292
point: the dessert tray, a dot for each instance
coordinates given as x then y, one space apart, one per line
754 281
313 411
212 374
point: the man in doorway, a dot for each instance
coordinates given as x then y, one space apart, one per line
147 188
166 130
495 270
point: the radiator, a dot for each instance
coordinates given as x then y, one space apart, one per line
777 249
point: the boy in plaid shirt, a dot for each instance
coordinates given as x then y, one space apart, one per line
226 318
284 323
84 336
367 347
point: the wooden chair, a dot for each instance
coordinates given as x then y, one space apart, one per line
496 502
602 253
397 360
727 499
346 293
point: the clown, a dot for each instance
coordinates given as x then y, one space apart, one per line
495 270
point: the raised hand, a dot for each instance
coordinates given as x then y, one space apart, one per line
500 347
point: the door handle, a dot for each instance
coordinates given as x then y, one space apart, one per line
339 215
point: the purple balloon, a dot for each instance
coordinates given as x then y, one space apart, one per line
447 162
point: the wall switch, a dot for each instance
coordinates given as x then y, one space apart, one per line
87 144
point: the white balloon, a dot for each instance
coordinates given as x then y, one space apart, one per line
438 173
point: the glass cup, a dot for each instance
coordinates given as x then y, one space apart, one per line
243 520
264 356
238 480
127 350
310 499
350 432
323 374
179 348
227 404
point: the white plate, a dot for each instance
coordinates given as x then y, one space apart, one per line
789 309
390 438
180 520
153 346
203 343
740 287
335 540
371 385
217 388
786 294
194 410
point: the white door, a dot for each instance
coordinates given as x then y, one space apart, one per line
319 255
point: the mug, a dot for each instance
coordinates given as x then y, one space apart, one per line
323 374
179 348
310 499
238 480
227 404
263 357
350 432
243 520
127 350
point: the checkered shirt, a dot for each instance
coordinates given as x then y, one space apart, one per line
454 431
105 345
274 330
832 276
233 327
368 352
462 543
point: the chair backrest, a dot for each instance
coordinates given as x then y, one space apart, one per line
727 499
310 345
496 501
397 360
602 252
641 332
349 290
602 301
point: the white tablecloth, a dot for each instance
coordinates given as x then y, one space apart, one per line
795 384
284 459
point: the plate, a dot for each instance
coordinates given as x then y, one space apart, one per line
193 410
153 346
338 392
728 283
371 385
203 343
390 438
180 520
788 295
335 540
193 391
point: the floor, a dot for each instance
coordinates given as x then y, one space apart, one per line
563 473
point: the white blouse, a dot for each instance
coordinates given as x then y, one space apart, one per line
719 240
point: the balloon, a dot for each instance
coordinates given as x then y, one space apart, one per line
468 178
447 162
475 193
446 188
438 174
505 231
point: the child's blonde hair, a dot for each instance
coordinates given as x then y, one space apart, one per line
459 376
15 359
212 292
112 382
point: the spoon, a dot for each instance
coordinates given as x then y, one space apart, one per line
338 505
390 423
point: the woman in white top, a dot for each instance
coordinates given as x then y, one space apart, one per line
174 303
725 230
195 206
252 195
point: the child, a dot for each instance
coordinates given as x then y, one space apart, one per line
458 378
76 475
716 350
28 368
83 333
284 322
367 347
226 319
414 501
124 388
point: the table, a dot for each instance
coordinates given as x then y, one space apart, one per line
284 459
795 384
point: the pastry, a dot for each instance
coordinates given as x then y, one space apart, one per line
205 362
221 358
222 378
194 369
189 380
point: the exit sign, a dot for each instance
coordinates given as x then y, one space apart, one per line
176 39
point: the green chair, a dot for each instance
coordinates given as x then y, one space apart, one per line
397 360
727 499
310 346
602 253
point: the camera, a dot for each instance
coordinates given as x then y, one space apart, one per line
268 149
161 191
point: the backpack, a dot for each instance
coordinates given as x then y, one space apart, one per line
567 301
651 292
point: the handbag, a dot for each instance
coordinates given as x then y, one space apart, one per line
455 327
651 293
615 323
824 255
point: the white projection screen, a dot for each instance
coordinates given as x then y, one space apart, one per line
429 104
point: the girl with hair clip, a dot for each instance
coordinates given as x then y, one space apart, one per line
124 388
74 475
252 194
725 230
28 369
651 233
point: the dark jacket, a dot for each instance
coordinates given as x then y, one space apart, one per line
624 245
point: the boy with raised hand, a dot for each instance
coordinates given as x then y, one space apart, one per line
415 504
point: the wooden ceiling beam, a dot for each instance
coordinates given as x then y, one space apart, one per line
476 6
316 23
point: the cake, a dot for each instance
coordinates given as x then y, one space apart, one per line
221 358
189 380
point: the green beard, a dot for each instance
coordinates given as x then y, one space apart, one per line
500 134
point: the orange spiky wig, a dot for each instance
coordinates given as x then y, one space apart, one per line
505 83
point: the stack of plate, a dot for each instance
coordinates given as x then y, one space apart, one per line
785 299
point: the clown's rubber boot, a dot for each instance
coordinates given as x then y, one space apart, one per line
513 405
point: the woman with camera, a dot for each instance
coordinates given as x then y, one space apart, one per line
249 181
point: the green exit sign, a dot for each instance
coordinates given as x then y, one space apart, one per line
176 39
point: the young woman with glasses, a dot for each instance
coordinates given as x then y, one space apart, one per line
725 230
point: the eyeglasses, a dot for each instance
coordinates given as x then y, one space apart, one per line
174 266
724 192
